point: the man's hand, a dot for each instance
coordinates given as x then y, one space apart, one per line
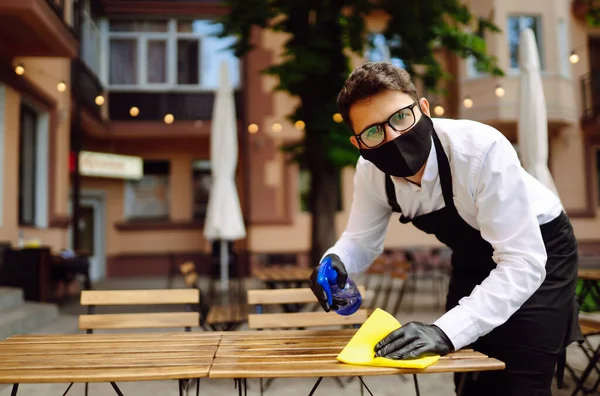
318 290
412 341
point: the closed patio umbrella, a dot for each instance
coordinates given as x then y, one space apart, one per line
533 120
224 220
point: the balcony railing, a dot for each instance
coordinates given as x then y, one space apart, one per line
89 86
154 106
590 97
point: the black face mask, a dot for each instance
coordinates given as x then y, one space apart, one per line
406 154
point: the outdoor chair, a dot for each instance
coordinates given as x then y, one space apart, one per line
589 328
91 321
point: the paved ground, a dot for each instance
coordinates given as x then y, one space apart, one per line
431 385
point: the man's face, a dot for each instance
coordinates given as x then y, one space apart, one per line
380 108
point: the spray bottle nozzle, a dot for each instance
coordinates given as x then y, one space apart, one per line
326 277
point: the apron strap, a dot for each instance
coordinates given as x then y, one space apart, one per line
391 194
444 171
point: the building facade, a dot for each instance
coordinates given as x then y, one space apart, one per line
147 83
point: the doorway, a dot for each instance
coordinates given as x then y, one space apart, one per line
91 230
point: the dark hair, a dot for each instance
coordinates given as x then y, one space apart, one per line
371 79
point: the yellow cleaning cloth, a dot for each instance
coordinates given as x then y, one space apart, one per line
360 349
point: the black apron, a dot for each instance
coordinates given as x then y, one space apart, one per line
534 339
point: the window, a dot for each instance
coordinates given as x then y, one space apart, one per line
201 183
304 190
563 48
515 25
379 50
167 54
28 147
148 198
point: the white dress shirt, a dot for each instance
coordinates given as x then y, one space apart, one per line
492 193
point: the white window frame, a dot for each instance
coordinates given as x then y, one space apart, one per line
538 36
170 36
564 66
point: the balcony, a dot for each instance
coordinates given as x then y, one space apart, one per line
164 7
89 87
153 106
35 28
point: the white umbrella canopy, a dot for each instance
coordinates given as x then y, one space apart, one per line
223 214
533 120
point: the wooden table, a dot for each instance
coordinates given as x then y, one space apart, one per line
287 274
312 353
107 358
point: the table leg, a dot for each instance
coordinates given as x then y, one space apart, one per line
67 391
416 384
197 386
180 382
312 391
116 388
365 386
15 388
461 384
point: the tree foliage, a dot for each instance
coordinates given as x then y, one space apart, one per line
315 65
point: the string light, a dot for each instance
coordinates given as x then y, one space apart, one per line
337 117
134 111
252 128
300 125
20 70
169 119
438 110
468 102
276 127
500 91
99 100
61 86
573 58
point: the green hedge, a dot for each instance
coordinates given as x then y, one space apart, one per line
590 303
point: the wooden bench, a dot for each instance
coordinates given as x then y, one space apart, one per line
94 298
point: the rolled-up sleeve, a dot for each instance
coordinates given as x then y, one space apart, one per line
508 222
362 240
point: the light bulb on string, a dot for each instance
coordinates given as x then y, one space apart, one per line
337 117
439 110
300 125
61 86
134 111
573 58
468 102
169 119
20 70
252 128
276 127
99 100
500 91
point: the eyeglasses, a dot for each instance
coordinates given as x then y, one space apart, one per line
400 121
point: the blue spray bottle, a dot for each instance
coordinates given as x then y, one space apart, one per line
348 299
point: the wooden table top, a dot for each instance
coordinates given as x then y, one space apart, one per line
106 357
312 353
283 273
589 274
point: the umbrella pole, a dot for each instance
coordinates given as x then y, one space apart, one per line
224 267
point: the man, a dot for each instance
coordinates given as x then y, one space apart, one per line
514 262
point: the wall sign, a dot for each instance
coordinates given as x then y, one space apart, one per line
110 165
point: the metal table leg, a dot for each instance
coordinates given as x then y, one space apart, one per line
15 389
116 388
312 391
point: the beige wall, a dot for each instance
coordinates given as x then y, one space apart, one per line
44 73
562 97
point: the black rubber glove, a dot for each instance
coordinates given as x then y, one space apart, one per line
414 340
318 291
